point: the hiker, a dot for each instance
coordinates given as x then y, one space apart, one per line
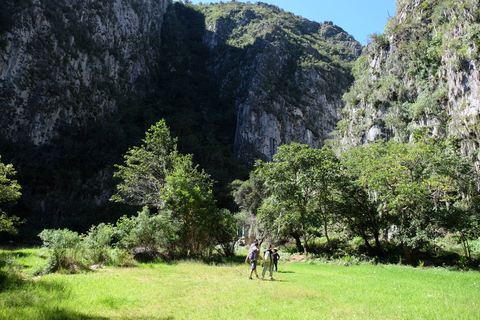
253 256
267 262
275 257
255 243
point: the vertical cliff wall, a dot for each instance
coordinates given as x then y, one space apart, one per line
73 62
284 74
419 79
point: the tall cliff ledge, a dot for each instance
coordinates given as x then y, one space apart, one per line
65 61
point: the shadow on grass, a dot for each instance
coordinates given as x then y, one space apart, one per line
28 299
285 271
224 260
13 254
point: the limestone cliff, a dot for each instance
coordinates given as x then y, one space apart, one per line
80 83
286 75
64 61
419 79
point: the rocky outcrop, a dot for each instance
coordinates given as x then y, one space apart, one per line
72 62
285 75
420 79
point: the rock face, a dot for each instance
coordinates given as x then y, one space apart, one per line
419 79
286 75
72 62
81 81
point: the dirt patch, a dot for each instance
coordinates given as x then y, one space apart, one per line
297 257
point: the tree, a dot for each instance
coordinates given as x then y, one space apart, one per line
300 181
460 212
409 184
9 191
249 195
188 195
145 170
156 175
359 213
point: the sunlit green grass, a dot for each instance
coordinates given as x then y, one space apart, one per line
196 290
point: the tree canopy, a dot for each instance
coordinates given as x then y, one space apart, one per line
156 175
9 191
299 182
412 186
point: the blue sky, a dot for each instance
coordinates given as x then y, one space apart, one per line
359 18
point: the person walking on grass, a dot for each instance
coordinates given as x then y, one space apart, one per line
275 257
268 262
254 258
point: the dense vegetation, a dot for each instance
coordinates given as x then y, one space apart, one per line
244 30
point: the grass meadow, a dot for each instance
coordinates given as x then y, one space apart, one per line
207 290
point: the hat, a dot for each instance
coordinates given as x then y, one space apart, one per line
275 249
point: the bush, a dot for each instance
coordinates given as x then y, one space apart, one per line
64 247
97 243
146 236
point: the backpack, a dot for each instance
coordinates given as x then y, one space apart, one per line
267 257
253 254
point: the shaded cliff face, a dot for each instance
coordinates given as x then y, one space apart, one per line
80 83
419 79
73 62
285 75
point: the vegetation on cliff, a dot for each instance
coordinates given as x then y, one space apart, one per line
418 78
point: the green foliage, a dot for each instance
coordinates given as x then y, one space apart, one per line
413 186
249 194
146 235
143 175
226 234
9 191
156 175
64 249
96 244
402 80
300 181
244 29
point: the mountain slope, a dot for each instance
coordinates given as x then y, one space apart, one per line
419 79
285 75
80 83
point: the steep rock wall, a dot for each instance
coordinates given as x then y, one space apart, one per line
73 62
419 79
284 74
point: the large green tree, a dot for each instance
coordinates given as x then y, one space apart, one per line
300 181
412 186
158 176
144 172
9 191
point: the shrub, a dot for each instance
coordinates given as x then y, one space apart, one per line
97 243
63 246
146 235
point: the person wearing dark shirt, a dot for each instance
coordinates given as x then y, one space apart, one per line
275 257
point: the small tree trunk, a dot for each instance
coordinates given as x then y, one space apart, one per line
305 250
325 228
378 245
407 252
466 246
365 238
298 242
